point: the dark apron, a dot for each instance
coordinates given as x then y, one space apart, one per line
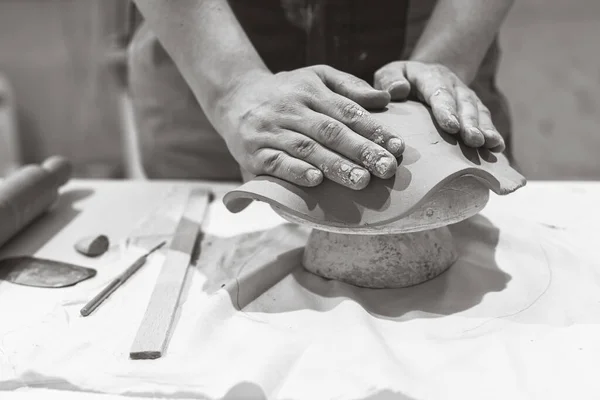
176 139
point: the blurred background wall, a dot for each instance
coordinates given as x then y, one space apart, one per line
551 75
53 52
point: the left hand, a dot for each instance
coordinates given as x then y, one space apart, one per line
456 107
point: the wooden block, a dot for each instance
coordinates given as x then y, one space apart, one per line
154 331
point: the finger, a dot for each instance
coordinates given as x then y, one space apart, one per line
336 136
281 165
352 87
437 90
332 165
392 79
493 139
359 121
468 114
443 107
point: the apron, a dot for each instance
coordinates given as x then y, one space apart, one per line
176 139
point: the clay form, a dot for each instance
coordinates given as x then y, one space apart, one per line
452 203
40 272
393 233
92 246
431 160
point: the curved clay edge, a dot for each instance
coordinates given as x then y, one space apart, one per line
399 225
235 198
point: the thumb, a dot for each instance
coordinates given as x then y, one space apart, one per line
392 79
352 87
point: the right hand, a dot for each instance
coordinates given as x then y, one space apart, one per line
307 124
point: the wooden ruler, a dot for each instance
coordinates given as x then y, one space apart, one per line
154 331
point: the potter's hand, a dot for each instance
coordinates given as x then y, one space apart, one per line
455 106
308 123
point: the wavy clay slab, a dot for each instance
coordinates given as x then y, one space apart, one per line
431 159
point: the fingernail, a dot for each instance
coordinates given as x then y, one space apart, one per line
385 166
453 122
359 177
357 174
499 147
502 144
395 146
378 136
313 176
493 138
399 90
476 137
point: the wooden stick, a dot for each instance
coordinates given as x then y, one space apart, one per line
154 331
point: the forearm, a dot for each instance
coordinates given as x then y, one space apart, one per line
459 34
206 42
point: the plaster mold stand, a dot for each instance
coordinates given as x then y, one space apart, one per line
393 233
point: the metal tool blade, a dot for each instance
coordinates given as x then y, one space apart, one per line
40 272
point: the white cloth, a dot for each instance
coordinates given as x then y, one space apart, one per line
517 317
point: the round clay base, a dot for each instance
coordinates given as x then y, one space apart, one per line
380 261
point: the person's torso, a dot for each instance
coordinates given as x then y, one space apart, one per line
351 35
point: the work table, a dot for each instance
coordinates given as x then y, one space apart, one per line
533 318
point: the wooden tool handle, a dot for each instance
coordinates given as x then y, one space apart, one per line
29 192
59 169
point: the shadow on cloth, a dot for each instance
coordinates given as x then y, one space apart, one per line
241 390
250 391
460 288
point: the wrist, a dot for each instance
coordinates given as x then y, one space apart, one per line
240 79
222 92
228 98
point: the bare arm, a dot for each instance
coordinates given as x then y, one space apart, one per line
444 63
459 34
300 125
206 42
